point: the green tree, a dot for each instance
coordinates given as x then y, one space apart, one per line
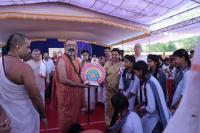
158 47
163 47
189 43
170 47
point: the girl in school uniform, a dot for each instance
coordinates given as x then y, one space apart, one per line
182 62
154 65
124 121
129 84
154 111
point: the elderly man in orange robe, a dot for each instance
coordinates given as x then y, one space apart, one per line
68 88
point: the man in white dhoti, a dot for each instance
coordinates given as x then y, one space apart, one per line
19 95
155 113
187 117
40 71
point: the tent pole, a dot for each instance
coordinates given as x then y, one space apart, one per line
149 44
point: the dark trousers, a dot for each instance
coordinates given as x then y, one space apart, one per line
49 90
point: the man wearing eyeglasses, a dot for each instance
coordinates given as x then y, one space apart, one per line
138 56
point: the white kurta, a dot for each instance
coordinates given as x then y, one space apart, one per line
50 68
133 88
40 81
150 120
133 124
16 102
50 65
141 57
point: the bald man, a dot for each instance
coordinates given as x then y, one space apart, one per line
138 56
68 89
19 95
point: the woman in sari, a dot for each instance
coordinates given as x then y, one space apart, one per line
113 71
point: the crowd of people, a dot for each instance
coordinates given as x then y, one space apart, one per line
140 92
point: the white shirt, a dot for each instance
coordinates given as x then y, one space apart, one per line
151 103
94 61
172 72
133 88
186 119
141 57
50 65
180 88
40 81
150 119
133 124
165 68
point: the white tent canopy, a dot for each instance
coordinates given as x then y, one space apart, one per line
188 30
106 22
